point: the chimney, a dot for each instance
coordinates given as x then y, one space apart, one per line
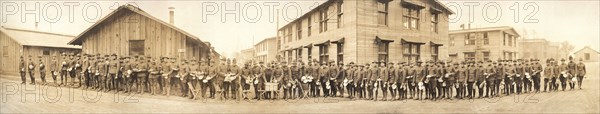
172 15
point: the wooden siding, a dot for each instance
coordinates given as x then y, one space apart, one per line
113 36
10 63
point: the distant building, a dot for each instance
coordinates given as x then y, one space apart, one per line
538 49
587 54
129 31
266 50
245 55
490 43
364 31
15 43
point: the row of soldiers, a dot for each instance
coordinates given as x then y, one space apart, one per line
419 80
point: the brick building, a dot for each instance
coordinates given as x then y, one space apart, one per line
265 50
490 43
538 49
363 31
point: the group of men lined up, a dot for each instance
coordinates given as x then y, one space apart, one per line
431 80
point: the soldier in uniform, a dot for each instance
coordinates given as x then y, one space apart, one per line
462 76
520 70
511 74
572 70
314 84
537 68
154 71
471 78
359 77
42 69
113 69
527 73
53 68
296 72
401 82
490 79
431 80
548 74
322 78
339 79
142 74
563 74
333 73
184 77
392 81
372 79
22 70
350 80
580 72
259 79
418 79
381 80
499 77
31 70
77 70
450 76
127 70
101 73
246 78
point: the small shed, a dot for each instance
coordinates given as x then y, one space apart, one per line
587 54
15 42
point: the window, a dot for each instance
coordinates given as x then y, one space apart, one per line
383 51
510 40
309 53
340 14
289 34
470 39
587 56
469 55
340 52
46 52
434 22
434 52
299 30
136 47
382 12
323 53
309 25
299 54
411 52
290 56
323 18
452 40
486 56
503 39
486 39
5 51
410 17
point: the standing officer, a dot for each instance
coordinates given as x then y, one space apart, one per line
154 70
511 74
471 78
556 73
490 79
42 70
572 69
113 69
373 84
520 69
499 77
548 73
77 70
31 70
382 80
333 73
127 70
339 81
63 68
259 79
322 78
537 68
450 75
580 72
296 72
359 81
142 74
401 82
53 68
392 81
102 70
419 78
563 74
350 80
314 83
22 70
462 76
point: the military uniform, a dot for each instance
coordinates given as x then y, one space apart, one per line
154 71
581 71
462 74
42 69
372 78
113 70
471 79
31 71
22 70
490 79
54 68
548 74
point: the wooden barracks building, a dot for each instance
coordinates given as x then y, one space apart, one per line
129 31
364 31
15 42
490 43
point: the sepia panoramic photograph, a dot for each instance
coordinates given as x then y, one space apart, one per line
299 56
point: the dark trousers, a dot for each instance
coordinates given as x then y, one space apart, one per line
23 79
527 84
350 88
536 82
441 90
324 86
470 90
563 82
480 88
448 88
519 85
432 88
490 89
508 87
63 76
461 90
314 89
547 84
497 87
553 84
43 76
208 86
32 77
579 80
226 86
334 88
53 76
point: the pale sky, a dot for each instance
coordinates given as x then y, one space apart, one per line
575 21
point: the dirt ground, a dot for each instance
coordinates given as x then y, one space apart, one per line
17 98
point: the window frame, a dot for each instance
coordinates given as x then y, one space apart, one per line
132 49
411 17
382 10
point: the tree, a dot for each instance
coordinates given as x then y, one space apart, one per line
565 49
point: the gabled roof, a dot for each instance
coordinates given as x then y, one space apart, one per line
587 47
38 38
484 29
77 40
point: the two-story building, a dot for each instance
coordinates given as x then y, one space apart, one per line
490 43
266 50
538 49
364 31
